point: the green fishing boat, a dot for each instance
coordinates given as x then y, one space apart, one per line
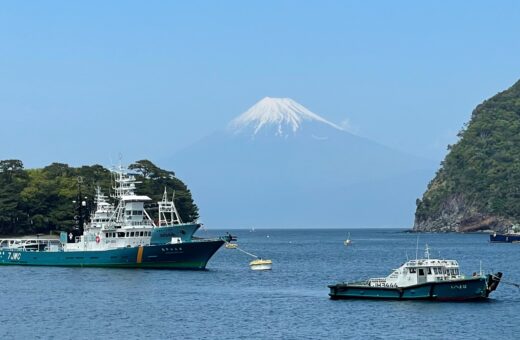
421 279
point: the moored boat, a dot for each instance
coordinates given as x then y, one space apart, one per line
122 236
421 279
260 264
512 236
348 241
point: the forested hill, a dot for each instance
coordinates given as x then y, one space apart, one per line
41 200
478 184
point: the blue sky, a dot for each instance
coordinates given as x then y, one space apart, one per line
81 82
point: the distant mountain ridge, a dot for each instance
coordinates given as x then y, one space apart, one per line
478 185
281 165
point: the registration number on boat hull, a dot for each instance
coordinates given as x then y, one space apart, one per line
11 256
458 287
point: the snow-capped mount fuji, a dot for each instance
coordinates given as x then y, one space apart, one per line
281 115
316 175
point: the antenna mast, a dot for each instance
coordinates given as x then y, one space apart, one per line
417 248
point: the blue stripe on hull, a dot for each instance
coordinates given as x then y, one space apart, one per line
470 289
192 255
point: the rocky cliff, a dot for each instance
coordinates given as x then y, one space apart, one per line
478 184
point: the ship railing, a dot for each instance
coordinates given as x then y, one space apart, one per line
359 283
207 239
141 224
30 244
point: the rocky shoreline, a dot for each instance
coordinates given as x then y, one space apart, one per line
457 216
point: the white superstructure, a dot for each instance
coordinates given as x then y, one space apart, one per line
126 225
419 271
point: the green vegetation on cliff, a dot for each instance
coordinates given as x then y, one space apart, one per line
41 200
478 184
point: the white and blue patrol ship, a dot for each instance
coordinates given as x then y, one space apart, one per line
122 236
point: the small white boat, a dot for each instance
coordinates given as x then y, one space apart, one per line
260 264
348 241
231 245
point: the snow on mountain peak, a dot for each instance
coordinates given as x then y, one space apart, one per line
281 112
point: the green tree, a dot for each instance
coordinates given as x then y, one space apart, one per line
481 172
41 200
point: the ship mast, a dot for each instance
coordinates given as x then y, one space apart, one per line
168 214
81 204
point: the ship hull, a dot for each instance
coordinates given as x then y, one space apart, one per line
191 255
164 234
459 290
504 238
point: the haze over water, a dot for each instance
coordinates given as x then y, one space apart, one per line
290 302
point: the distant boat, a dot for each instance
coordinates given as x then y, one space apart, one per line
513 236
348 241
252 230
421 279
260 264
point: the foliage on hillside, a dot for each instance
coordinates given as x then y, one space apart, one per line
41 200
482 170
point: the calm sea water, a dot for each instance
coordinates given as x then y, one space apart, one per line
289 302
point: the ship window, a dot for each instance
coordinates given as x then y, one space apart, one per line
132 234
412 270
129 212
121 234
141 233
107 235
429 271
421 271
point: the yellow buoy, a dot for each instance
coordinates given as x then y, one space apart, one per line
231 245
